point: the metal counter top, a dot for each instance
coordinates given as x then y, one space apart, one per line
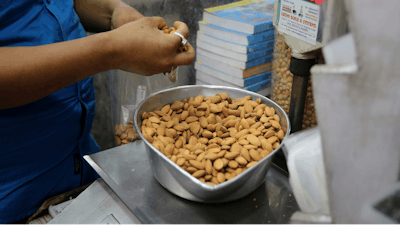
127 172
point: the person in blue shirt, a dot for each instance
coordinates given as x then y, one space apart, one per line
46 90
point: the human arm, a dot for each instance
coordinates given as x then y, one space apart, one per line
104 15
31 73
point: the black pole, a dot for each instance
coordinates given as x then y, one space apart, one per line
300 68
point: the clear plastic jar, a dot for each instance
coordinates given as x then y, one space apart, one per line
282 79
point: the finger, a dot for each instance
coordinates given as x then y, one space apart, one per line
159 22
185 58
182 28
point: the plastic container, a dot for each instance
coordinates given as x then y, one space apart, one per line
282 78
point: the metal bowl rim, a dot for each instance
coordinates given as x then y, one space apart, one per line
185 173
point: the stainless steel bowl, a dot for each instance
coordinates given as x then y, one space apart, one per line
180 182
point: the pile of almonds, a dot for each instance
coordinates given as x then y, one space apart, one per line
125 134
214 138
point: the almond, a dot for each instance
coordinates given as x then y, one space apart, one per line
179 143
253 140
244 123
233 164
218 164
232 155
241 160
225 111
207 134
177 105
195 104
251 164
211 119
144 116
148 137
264 119
202 140
214 108
224 96
189 157
203 107
245 153
192 141
160 113
194 128
154 119
199 98
180 161
248 108
269 134
181 127
118 140
239 171
200 113
197 164
275 124
233 132
241 133
243 142
161 130
173 158
220 177
272 140
211 156
191 119
199 173
214 179
225 161
208 166
203 122
168 150
264 153
236 148
269 111
249 146
254 155
225 135
230 123
229 141
214 150
280 134
266 145
184 115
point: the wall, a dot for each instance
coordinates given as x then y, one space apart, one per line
187 11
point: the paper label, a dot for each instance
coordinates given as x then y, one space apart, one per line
299 19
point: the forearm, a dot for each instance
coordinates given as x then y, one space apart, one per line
31 73
104 15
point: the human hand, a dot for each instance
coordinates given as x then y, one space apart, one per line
141 47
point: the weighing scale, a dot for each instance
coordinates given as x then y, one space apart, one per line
127 172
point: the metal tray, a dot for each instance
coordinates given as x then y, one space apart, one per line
180 182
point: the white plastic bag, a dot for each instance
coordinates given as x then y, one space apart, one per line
303 152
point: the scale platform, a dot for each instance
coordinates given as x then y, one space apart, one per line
127 171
